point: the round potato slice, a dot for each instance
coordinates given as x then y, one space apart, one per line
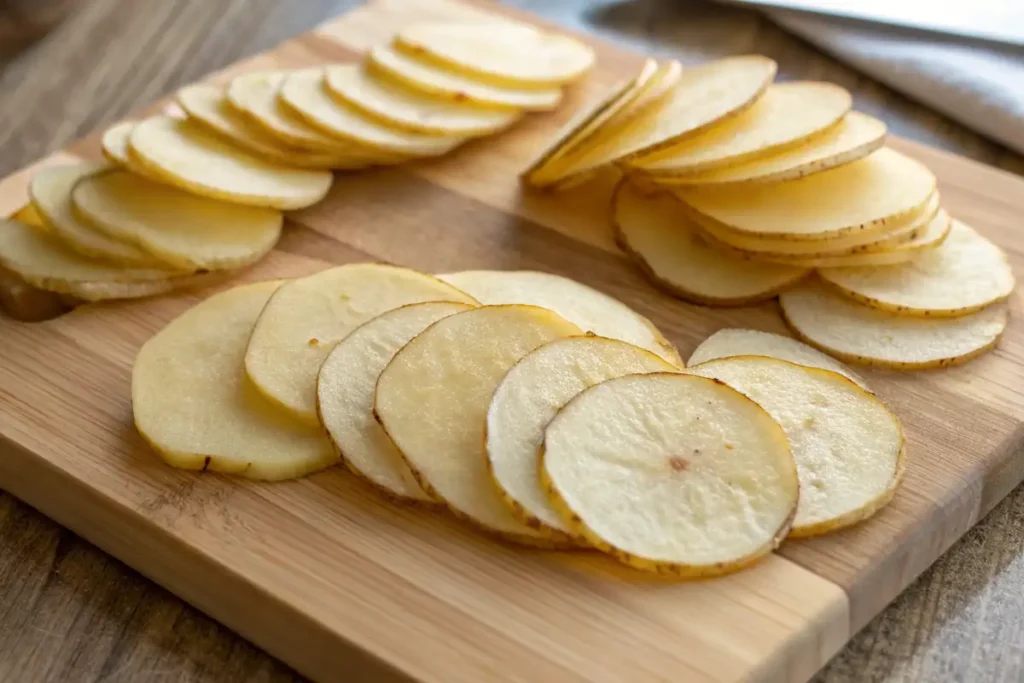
657 232
962 275
182 229
848 447
664 80
434 80
787 114
500 53
306 318
115 142
671 473
345 391
530 395
868 336
432 401
192 402
588 308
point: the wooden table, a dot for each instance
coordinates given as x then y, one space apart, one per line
70 613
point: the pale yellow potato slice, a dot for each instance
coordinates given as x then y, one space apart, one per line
588 308
306 94
864 195
115 142
432 401
786 115
868 336
405 108
185 230
500 52
192 402
671 473
962 275
345 390
434 80
848 446
658 233
664 80
854 137
307 317
182 154
529 396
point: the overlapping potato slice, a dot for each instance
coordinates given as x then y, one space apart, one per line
432 401
345 390
672 473
192 401
115 142
653 91
848 446
530 395
307 317
591 310
658 233
858 334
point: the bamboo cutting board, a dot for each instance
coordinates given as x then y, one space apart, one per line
345 586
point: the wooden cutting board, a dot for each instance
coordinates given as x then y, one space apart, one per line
345 586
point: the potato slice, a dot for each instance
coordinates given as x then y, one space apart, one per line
786 115
399 106
345 389
657 232
866 195
962 275
182 154
664 80
532 392
500 52
868 336
192 402
115 142
432 401
185 230
853 138
591 310
671 473
848 446
306 318
434 80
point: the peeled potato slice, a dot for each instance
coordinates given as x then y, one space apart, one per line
588 308
182 229
307 317
657 232
115 142
192 402
964 274
345 390
868 336
530 395
848 447
671 473
432 401
182 154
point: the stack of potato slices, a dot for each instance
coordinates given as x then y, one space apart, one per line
183 198
531 406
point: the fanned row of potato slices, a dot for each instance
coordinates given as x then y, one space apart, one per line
537 409
197 193
736 190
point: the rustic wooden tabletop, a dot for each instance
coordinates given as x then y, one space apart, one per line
68 612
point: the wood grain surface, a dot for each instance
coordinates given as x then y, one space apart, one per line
67 612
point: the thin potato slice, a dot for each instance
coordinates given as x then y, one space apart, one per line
671 473
192 402
532 392
657 232
962 275
868 336
115 142
306 318
588 308
112 290
848 446
184 155
185 230
432 401
405 108
664 80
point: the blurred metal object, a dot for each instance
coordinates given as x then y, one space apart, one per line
24 21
